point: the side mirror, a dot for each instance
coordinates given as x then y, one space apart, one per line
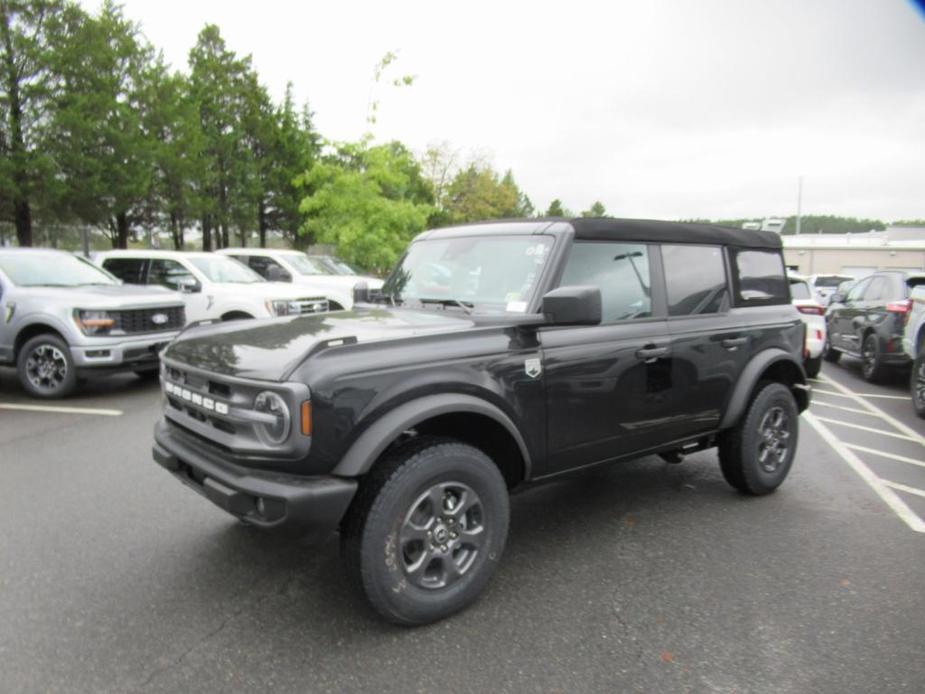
573 306
361 293
277 274
189 285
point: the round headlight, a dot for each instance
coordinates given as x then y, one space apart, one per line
271 403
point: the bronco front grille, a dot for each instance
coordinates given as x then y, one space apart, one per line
150 320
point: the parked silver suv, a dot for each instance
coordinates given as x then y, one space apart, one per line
62 317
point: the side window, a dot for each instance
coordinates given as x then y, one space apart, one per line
263 266
877 289
857 291
129 270
760 278
620 270
696 279
167 273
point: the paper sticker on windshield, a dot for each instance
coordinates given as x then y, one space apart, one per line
537 250
516 306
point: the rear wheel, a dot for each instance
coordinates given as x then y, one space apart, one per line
426 530
812 365
872 366
829 353
917 384
755 456
45 367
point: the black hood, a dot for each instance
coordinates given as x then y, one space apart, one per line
269 349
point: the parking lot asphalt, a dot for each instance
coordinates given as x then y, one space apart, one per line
646 577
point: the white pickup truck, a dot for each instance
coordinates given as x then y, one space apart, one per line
213 286
914 346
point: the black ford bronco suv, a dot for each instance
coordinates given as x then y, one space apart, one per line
495 356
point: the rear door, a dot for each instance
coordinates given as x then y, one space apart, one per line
841 322
608 386
708 345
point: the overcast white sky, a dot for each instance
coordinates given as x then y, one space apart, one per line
675 109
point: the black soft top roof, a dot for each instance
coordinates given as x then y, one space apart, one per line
601 228
611 229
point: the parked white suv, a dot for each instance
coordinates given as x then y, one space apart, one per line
824 286
299 268
813 315
214 287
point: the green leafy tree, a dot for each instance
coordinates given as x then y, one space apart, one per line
556 209
596 210
477 193
366 202
27 89
104 157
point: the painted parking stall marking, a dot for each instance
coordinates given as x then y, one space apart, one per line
57 409
884 429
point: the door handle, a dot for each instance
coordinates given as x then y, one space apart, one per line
650 354
734 342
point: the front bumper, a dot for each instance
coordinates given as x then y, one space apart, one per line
309 505
121 352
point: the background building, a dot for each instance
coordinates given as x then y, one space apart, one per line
858 255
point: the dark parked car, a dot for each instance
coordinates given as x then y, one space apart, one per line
496 356
868 322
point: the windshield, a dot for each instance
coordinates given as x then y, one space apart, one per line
800 290
332 266
220 268
494 273
830 280
52 270
307 266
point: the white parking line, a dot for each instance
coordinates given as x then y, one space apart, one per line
817 403
60 410
879 486
852 395
829 420
891 456
904 488
908 431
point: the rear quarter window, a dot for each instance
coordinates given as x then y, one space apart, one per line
760 278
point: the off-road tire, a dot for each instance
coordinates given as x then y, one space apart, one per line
372 531
740 447
46 346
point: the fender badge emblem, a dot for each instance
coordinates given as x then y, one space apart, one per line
533 367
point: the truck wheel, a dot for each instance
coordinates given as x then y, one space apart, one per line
45 367
812 365
917 384
829 353
872 367
426 530
755 455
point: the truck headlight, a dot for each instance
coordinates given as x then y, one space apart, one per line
268 402
278 307
94 322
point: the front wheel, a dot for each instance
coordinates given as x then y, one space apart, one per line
917 384
756 455
426 530
46 368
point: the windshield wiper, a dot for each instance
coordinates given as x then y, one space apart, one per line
464 305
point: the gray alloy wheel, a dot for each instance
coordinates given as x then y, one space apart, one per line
441 535
45 367
773 439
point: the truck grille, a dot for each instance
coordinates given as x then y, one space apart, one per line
311 304
150 320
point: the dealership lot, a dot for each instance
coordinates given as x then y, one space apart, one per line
645 577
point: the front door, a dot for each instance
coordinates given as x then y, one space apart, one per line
607 386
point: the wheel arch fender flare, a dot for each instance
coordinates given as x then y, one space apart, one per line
36 325
751 374
364 452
